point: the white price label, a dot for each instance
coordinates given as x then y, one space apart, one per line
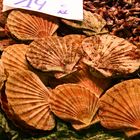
68 9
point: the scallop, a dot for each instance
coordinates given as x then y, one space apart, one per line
55 54
92 23
119 107
28 99
3 76
13 58
110 55
75 104
86 79
27 25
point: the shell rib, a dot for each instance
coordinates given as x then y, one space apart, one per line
55 54
76 104
29 26
13 58
28 98
119 107
111 55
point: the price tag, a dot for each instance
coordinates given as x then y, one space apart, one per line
69 9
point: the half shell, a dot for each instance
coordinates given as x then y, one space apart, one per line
2 74
76 104
120 107
13 58
28 98
55 54
111 55
27 25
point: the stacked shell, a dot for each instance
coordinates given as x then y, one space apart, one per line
120 107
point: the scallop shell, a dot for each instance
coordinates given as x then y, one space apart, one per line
13 58
76 104
92 23
120 107
28 97
55 54
2 74
27 25
111 55
86 79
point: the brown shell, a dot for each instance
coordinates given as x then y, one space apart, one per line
119 107
55 54
2 74
76 104
86 79
92 23
28 98
14 59
111 55
27 25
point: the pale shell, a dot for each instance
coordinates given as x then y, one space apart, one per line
27 25
119 107
92 23
13 58
75 104
55 54
111 55
28 98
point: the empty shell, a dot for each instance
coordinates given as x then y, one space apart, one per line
27 25
75 104
111 55
120 107
55 54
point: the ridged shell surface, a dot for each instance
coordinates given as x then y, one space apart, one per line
28 97
92 23
55 54
111 55
13 58
75 104
29 25
120 107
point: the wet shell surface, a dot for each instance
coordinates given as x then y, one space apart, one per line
91 24
75 104
28 98
111 55
27 25
120 107
13 58
55 54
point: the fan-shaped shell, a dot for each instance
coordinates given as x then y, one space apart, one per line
27 25
76 104
87 80
13 58
55 54
120 107
91 24
28 98
111 55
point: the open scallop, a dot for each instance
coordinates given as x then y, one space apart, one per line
29 100
75 104
110 55
27 25
13 58
119 107
55 54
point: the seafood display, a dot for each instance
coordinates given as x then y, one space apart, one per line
71 77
